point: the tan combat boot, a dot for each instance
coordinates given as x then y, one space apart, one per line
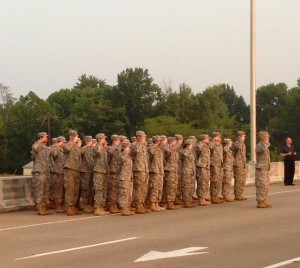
113 209
267 203
70 211
226 198
91 207
240 198
139 209
215 199
261 204
159 207
42 211
170 205
99 211
125 212
202 201
178 201
187 204
86 209
59 209
147 210
154 208
76 210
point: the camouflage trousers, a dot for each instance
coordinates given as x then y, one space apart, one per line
58 188
113 188
125 193
170 185
202 175
240 176
179 184
41 188
216 177
72 184
100 184
155 190
188 186
226 183
140 186
33 186
86 188
51 187
262 182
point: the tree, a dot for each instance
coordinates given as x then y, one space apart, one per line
91 81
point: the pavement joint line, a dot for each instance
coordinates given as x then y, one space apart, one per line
77 248
284 263
275 193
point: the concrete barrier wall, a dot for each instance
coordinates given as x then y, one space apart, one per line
16 191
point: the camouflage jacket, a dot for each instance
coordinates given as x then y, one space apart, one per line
41 154
87 160
171 159
58 159
114 159
125 173
156 159
140 157
203 155
228 159
239 154
73 156
216 154
262 156
100 157
188 161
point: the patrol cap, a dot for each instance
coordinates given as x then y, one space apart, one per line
42 134
61 138
163 137
100 136
171 139
73 132
188 142
263 133
241 133
226 141
133 138
156 138
149 141
192 137
178 137
123 138
54 140
125 144
203 137
88 138
115 137
140 133
216 134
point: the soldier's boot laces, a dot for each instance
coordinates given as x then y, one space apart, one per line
170 205
261 204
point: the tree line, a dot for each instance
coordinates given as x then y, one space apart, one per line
136 102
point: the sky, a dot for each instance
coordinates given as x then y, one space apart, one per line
46 44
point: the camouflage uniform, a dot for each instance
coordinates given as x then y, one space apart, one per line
100 175
86 175
41 170
262 176
179 172
216 168
72 172
203 170
125 177
171 173
114 163
140 172
58 159
156 173
188 174
239 167
51 178
228 170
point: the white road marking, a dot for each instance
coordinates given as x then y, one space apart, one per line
275 193
280 264
77 248
156 255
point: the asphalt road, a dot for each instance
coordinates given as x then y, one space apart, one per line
234 235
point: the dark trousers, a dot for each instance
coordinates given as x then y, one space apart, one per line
289 171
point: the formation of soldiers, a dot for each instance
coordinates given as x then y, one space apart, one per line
142 176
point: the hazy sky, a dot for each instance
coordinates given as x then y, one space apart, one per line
46 44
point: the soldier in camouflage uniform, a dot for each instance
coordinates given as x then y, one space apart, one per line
58 160
171 175
188 173
203 169
86 175
216 167
156 174
133 140
227 170
72 172
262 176
114 158
51 182
100 174
179 145
239 166
140 172
41 171
125 177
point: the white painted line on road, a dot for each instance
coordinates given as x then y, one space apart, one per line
77 248
275 193
280 264
46 223
156 255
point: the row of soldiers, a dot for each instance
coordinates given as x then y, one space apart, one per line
138 176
